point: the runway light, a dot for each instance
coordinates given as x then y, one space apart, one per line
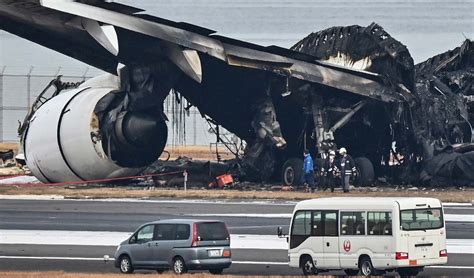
106 258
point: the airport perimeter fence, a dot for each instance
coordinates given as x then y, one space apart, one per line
19 87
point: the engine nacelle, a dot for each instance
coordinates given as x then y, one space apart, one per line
63 141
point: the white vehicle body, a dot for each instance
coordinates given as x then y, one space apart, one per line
402 234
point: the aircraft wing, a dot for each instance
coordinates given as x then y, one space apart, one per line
95 31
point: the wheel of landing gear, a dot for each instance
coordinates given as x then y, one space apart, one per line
292 172
308 267
365 171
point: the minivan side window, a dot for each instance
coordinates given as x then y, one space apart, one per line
145 234
352 223
165 232
182 231
379 223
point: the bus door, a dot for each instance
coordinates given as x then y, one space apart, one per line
352 238
306 235
331 239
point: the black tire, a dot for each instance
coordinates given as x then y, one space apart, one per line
409 271
365 266
126 264
216 271
365 171
179 266
308 267
351 272
292 172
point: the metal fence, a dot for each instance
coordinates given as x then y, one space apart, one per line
19 87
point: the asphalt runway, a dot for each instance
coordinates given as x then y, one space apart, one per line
26 224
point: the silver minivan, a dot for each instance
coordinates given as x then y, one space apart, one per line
179 244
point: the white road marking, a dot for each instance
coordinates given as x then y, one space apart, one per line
233 262
447 217
54 258
450 266
238 241
180 201
244 215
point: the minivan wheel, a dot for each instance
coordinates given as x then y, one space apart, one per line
179 267
366 267
308 267
125 265
351 272
216 271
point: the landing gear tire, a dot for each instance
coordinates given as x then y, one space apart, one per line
179 267
365 171
216 271
292 172
366 267
126 265
308 267
351 272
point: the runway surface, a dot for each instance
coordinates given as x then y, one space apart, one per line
74 235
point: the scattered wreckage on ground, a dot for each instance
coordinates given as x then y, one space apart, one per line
354 86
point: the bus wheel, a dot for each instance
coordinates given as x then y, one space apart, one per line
366 267
351 272
308 267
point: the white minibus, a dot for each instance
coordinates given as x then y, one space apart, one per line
370 235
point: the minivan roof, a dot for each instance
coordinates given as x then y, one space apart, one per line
339 203
180 221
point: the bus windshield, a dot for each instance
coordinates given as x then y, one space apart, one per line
421 219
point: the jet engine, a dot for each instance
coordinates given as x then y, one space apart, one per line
65 141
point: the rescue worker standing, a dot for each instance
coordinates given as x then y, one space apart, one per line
347 167
329 171
308 168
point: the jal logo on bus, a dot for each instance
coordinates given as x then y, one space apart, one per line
347 245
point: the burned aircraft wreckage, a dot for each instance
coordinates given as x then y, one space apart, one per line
353 86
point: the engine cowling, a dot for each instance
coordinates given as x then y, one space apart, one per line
64 141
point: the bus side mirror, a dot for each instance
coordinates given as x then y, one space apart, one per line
280 231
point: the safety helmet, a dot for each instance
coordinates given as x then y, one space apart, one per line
332 153
342 151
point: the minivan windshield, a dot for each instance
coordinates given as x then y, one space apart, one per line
421 219
212 231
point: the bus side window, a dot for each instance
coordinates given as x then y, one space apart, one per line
379 223
352 223
330 223
317 224
302 223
